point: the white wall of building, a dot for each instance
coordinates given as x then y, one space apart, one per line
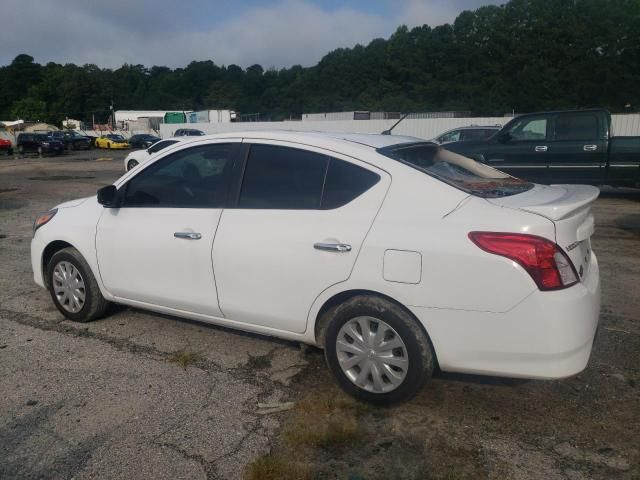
425 128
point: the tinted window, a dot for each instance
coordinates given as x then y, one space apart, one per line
452 136
160 145
530 128
477 134
196 178
282 178
576 127
345 182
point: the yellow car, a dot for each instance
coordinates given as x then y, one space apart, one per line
112 140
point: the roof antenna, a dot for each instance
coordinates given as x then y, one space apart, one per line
388 132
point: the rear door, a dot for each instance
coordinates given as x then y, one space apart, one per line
578 148
296 228
522 150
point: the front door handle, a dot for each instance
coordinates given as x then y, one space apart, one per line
188 235
541 148
332 247
590 148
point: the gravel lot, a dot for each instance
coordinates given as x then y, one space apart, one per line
140 395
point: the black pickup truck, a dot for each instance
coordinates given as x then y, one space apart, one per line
575 146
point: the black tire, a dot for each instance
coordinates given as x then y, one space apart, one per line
95 304
71 146
419 351
132 164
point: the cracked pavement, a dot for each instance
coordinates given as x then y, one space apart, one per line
103 400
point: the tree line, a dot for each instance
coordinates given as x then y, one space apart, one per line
523 56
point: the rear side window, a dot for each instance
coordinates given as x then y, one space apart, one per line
282 178
345 182
477 134
292 179
576 127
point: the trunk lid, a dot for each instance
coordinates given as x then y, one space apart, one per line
569 208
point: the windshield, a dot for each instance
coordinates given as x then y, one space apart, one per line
119 138
461 172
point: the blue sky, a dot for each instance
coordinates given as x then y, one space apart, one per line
275 34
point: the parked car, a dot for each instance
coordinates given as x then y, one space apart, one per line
39 143
71 140
574 146
462 134
188 132
111 140
143 140
141 156
389 252
6 146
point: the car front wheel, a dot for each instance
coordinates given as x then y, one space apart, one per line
377 351
73 287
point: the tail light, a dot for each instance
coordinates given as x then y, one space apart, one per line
547 264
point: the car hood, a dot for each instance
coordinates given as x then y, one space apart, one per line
73 203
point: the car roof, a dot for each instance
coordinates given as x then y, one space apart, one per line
373 140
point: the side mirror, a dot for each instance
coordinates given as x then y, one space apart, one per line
107 196
504 137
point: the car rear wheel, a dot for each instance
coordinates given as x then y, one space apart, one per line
132 164
73 287
377 351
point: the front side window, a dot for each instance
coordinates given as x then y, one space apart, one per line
530 128
458 171
194 178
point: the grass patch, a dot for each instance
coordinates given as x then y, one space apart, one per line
271 467
184 359
327 422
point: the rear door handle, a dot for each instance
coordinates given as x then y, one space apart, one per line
188 235
332 247
541 148
590 148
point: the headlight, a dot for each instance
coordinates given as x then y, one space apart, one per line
44 218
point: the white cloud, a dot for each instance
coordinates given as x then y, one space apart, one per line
166 32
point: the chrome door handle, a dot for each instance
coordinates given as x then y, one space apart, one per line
590 148
541 148
188 235
332 247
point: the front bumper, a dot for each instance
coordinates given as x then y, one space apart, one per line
548 335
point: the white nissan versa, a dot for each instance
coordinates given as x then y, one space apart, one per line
389 252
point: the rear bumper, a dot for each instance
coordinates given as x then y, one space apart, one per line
548 335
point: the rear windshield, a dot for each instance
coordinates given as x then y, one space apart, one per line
461 172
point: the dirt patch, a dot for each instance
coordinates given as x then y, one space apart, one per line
54 178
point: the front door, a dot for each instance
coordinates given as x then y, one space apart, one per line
298 224
156 248
523 150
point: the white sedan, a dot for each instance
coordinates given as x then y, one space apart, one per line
137 157
389 252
